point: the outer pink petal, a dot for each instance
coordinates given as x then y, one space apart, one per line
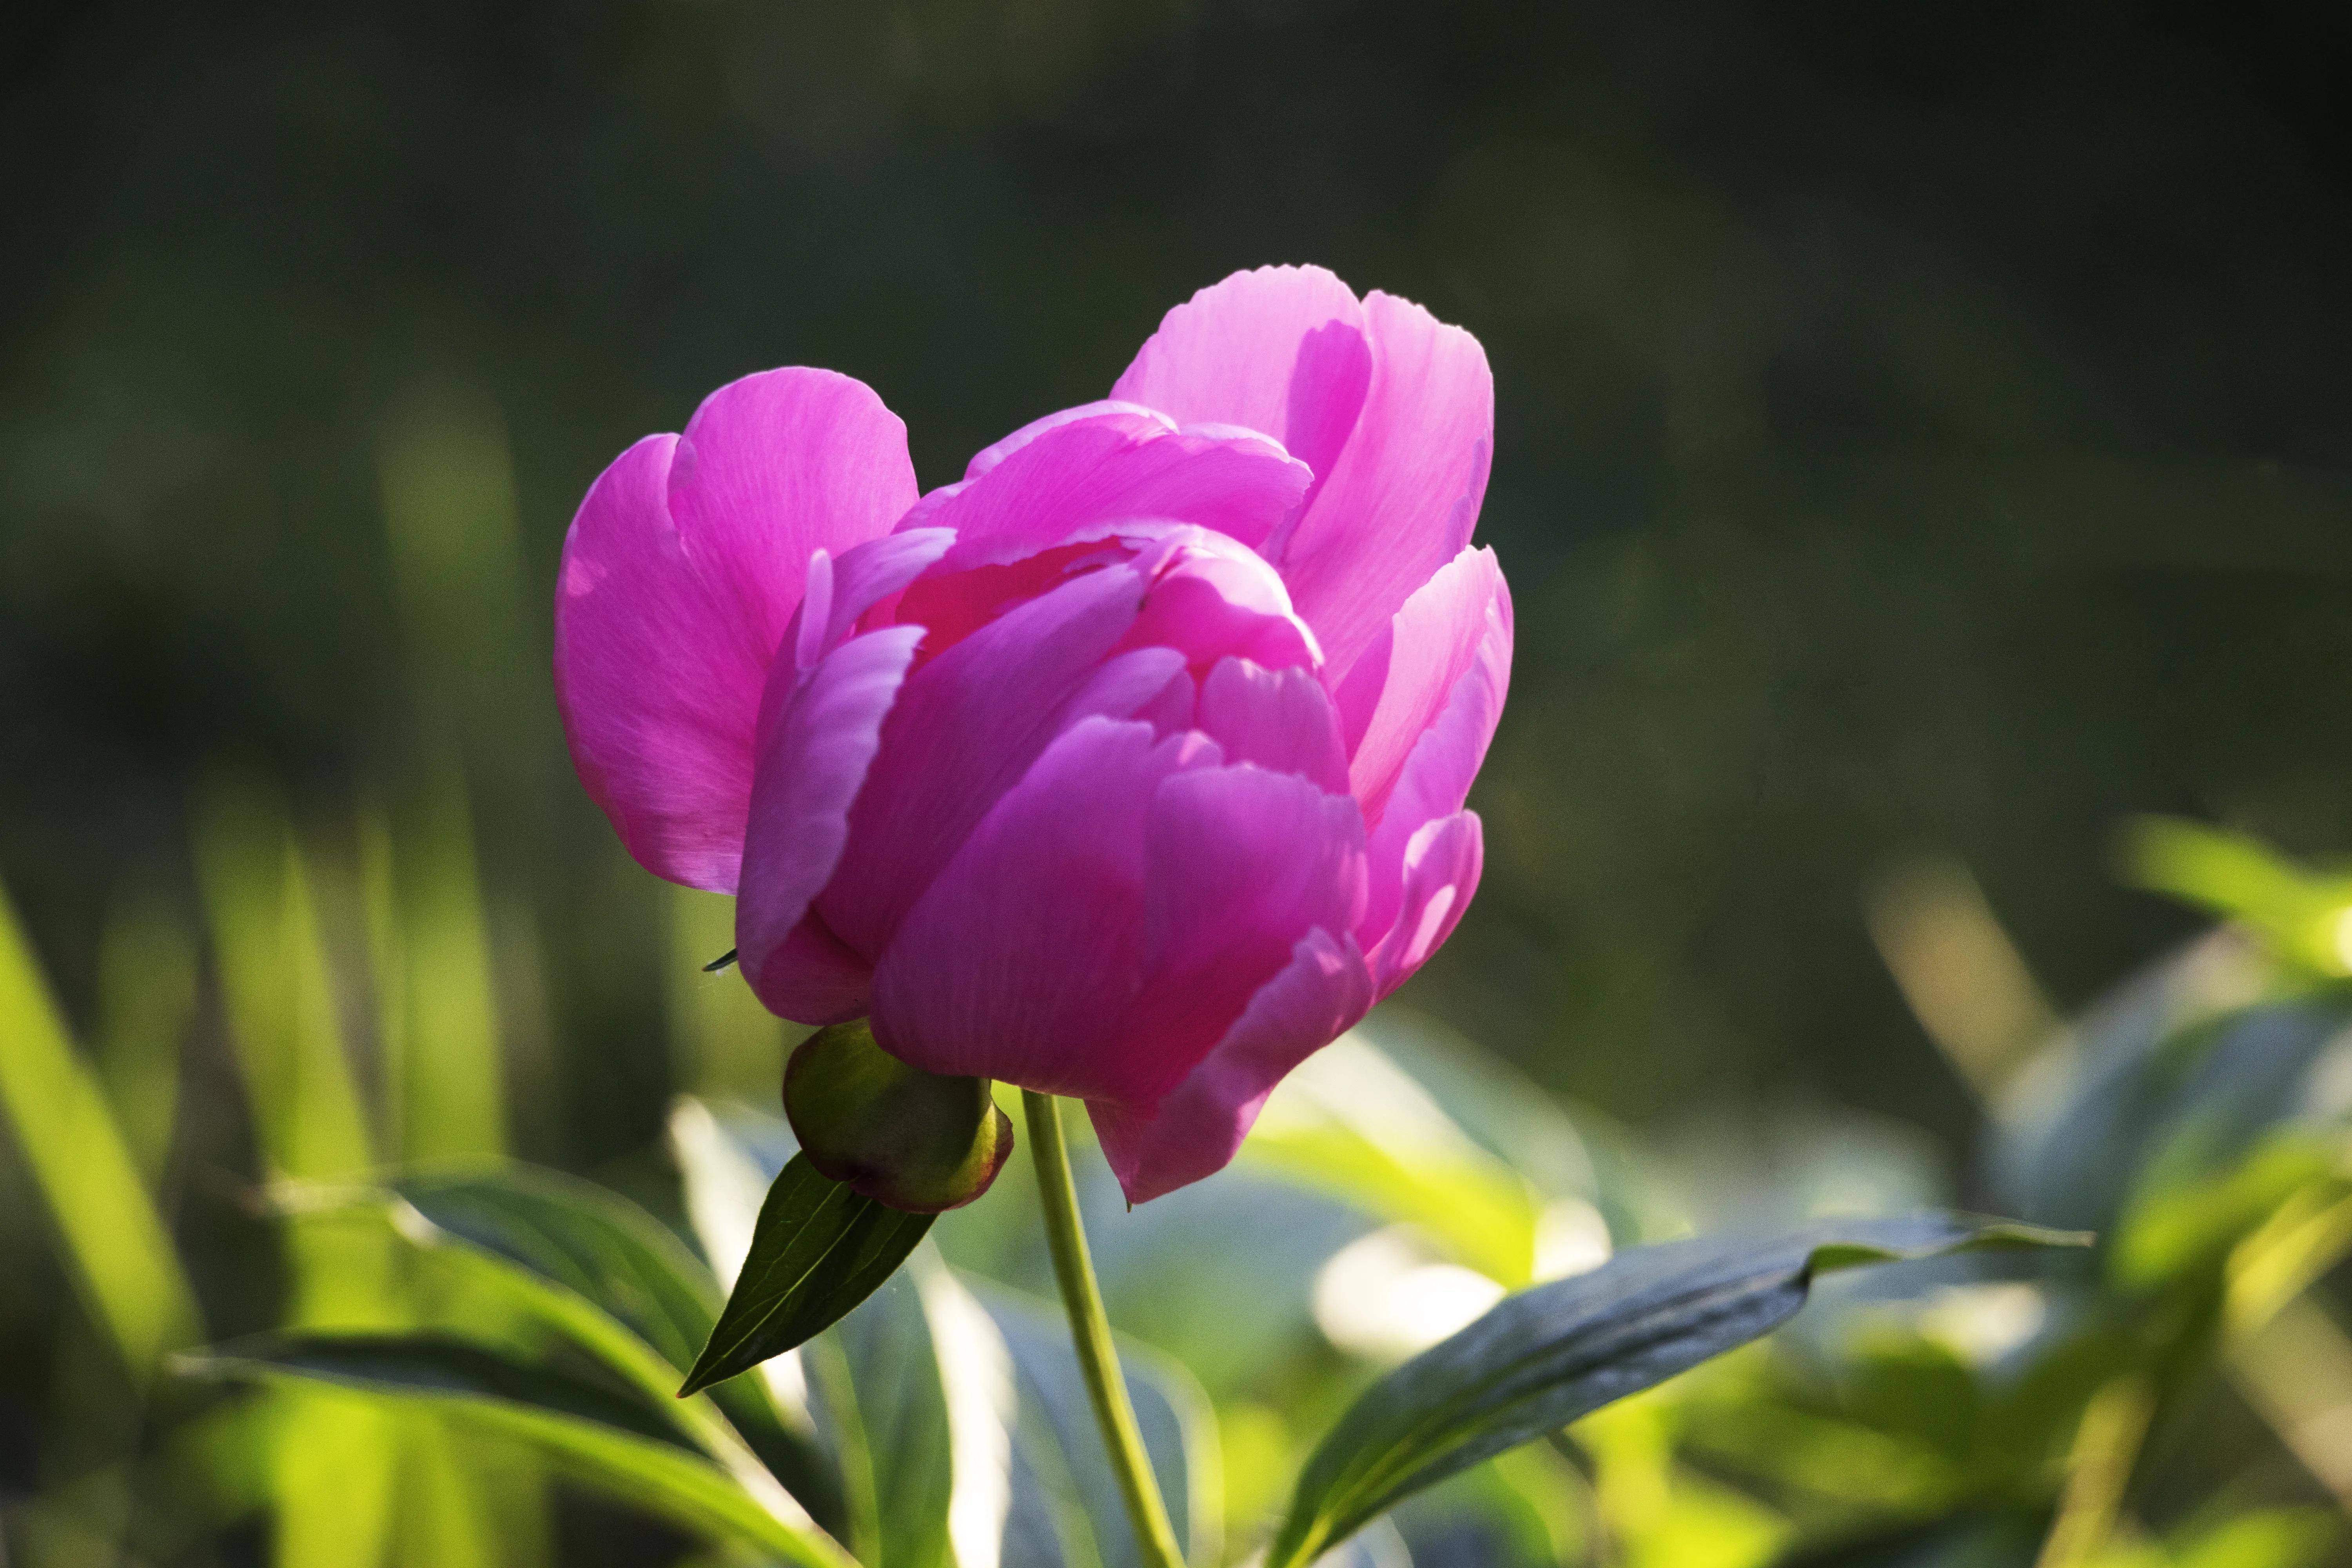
1280 350
1108 464
1240 863
1442 862
1396 691
1018 960
679 574
965 728
1437 773
1196 1128
1402 497
813 764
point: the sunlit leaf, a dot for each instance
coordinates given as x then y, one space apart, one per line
437 1003
598 1432
115 1247
2305 916
147 988
603 1274
1550 1354
1352 1123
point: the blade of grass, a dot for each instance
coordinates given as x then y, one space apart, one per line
116 1248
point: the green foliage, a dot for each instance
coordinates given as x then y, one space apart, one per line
1424 1323
595 1432
817 1250
1548 1356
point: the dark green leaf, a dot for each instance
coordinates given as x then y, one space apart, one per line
598 1432
1547 1355
819 1250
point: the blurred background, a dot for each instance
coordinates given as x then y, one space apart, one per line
1924 448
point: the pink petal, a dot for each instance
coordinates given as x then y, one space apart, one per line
812 762
1019 960
1442 862
989 456
679 574
1278 719
1195 1129
1106 466
1401 499
1239 865
1280 350
835 595
1403 681
810 977
966 727
1215 598
1437 773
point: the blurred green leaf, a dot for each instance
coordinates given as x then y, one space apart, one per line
1352 1123
1066 1510
817 1251
599 1245
600 1434
116 1248
1548 1356
882 1400
147 991
613 1254
2268 1538
592 1267
437 1003
2306 917
276 990
2080 1127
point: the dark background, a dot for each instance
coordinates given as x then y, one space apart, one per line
1922 429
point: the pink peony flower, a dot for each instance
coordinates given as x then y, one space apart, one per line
1131 766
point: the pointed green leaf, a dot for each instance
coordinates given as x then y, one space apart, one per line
598 1432
1546 1356
818 1250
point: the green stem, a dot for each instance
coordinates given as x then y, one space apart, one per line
1090 1333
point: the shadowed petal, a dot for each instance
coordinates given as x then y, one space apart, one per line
680 573
966 727
1019 960
813 764
1195 1131
1239 864
1281 720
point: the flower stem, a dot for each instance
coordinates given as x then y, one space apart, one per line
1090 1333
